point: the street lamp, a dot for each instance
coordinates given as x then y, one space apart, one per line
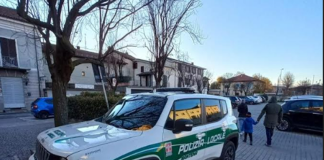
279 81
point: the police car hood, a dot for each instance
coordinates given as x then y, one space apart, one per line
65 140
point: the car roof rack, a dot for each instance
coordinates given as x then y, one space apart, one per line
176 90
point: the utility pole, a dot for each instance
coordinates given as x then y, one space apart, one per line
311 90
103 87
279 82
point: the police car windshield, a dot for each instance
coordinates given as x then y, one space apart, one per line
139 112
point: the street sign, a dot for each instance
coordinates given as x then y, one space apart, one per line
114 82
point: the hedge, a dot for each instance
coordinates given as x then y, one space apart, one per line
90 105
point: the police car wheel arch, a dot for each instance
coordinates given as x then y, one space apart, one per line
232 136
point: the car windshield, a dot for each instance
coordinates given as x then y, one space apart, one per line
135 112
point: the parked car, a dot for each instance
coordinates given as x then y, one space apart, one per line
234 100
152 126
258 98
255 99
263 99
265 96
42 107
247 100
302 113
306 96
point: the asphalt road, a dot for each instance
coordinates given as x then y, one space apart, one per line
18 135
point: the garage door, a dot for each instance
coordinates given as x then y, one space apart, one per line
13 92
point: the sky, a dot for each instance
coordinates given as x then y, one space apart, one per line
257 36
252 36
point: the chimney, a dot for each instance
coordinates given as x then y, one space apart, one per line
192 63
78 47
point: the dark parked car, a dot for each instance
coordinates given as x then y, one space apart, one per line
247 100
263 99
302 113
234 100
42 107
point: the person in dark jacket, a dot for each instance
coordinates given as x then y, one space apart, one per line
248 127
243 110
273 117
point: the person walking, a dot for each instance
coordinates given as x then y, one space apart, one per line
243 110
248 127
273 117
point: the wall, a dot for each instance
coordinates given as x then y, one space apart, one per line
26 54
147 67
76 76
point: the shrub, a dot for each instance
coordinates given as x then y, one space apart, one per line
88 106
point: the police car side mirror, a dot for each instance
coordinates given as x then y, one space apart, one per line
183 125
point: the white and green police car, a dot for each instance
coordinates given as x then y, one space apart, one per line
150 126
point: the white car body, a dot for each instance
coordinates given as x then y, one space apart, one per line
92 140
256 100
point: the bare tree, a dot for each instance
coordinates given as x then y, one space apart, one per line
303 86
167 20
245 87
288 80
181 66
58 20
227 82
114 68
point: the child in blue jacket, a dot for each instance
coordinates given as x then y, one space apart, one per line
248 127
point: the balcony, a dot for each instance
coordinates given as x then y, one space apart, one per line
11 62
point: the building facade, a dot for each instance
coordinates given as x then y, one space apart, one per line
20 62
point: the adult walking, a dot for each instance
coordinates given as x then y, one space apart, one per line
273 116
243 110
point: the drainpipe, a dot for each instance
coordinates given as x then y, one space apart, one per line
38 78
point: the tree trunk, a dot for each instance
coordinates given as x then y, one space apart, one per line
60 102
158 82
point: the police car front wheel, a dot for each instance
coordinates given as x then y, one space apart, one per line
228 152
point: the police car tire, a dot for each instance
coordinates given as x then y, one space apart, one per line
227 147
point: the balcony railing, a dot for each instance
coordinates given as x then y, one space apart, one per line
9 61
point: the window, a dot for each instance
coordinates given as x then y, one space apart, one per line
187 69
186 109
194 70
8 52
299 105
224 107
142 68
97 74
137 112
317 106
49 101
213 110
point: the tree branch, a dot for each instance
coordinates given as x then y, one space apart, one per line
87 60
24 14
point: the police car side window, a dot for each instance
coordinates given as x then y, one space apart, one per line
224 107
213 110
186 109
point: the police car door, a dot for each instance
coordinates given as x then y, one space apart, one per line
215 111
187 145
